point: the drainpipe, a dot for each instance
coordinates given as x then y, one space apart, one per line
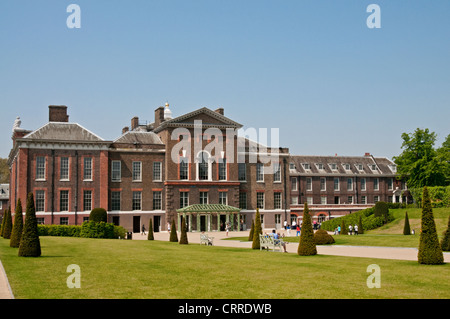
53 185
76 186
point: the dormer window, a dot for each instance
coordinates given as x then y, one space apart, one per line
319 166
346 167
291 166
393 168
360 167
333 166
306 166
373 167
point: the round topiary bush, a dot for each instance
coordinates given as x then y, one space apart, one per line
98 215
321 237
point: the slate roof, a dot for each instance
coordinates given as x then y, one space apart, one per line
132 137
359 165
209 208
63 131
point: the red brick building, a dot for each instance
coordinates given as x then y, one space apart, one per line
154 170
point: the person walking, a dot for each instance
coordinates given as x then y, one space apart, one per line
356 229
339 230
298 230
227 227
143 229
350 229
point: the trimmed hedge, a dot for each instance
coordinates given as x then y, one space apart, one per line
98 215
368 219
87 230
321 237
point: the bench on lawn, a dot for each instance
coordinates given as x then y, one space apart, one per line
267 242
205 239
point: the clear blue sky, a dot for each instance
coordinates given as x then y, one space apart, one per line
313 69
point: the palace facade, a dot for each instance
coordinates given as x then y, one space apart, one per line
193 166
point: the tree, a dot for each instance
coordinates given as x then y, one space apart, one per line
7 228
445 243
252 230
150 230
30 245
429 249
307 245
406 228
443 155
360 226
419 163
183 236
4 171
173 233
3 222
17 227
257 231
98 215
381 210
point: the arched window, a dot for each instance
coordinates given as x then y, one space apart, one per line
322 218
203 166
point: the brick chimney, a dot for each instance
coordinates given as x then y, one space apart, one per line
367 154
125 129
159 116
134 123
220 111
57 113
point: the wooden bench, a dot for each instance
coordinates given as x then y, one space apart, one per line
267 242
206 240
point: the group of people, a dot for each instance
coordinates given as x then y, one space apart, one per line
352 230
276 237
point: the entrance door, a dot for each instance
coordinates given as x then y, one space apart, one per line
156 223
136 224
202 223
277 221
223 220
116 220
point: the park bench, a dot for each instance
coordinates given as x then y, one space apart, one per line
205 239
267 242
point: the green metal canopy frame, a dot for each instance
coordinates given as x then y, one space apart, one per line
197 210
208 208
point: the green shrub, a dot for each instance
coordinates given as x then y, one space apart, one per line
257 231
173 233
406 227
59 230
445 243
183 236
307 245
430 252
352 218
17 227
98 215
150 230
30 245
93 229
7 227
360 226
321 237
252 230
381 210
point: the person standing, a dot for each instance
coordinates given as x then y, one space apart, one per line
356 229
143 229
339 230
298 230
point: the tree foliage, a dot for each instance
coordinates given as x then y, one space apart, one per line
173 233
406 227
430 251
30 245
420 164
183 236
257 231
445 243
17 227
307 245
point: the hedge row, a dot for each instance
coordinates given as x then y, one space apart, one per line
439 195
369 221
88 229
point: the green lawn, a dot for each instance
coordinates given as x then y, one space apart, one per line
153 269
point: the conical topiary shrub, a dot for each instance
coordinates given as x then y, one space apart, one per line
344 230
150 230
183 236
360 226
17 227
445 243
307 245
173 233
30 245
406 228
250 235
3 222
7 228
430 252
257 230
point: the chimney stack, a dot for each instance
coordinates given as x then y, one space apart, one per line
367 154
220 111
125 129
159 116
57 113
134 123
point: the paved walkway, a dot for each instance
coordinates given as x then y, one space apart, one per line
398 253
336 250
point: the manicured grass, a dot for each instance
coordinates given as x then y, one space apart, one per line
154 269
